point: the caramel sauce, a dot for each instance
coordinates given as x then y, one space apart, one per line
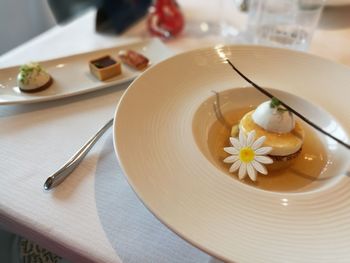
305 169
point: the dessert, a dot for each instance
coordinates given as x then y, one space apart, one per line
279 136
105 67
33 78
133 59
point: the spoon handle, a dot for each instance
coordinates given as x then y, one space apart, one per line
59 176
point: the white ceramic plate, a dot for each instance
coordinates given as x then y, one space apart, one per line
72 76
163 122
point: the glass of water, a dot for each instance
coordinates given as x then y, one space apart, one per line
283 23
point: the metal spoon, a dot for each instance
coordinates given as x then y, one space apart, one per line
59 176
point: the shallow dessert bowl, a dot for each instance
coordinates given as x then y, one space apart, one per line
163 155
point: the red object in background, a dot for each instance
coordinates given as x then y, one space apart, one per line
165 19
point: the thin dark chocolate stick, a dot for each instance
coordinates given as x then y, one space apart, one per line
268 94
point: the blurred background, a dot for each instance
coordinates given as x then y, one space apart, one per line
21 20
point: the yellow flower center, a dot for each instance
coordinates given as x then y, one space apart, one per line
246 154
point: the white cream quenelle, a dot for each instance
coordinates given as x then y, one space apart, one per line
32 77
273 119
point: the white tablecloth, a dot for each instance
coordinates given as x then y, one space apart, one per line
94 216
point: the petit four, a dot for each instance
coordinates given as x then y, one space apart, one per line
133 59
105 67
33 78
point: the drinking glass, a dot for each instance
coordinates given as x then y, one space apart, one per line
283 23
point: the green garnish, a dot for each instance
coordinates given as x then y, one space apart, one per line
26 70
275 103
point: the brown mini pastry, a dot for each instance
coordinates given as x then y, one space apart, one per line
133 59
105 67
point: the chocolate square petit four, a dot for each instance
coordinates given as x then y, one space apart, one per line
105 67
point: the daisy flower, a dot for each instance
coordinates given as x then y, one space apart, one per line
247 155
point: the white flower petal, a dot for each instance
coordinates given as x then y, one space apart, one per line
251 137
235 143
258 142
251 172
259 167
234 167
242 138
231 159
231 150
242 171
263 159
263 150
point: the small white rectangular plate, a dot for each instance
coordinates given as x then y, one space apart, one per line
72 76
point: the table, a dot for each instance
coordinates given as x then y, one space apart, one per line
94 216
